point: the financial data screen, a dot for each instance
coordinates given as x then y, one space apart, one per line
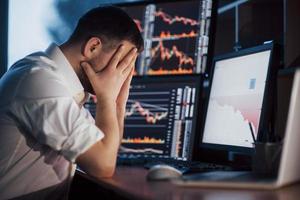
176 36
236 100
159 119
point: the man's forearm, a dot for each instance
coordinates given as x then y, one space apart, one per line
107 121
121 116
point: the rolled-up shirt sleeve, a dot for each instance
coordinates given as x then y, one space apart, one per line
59 123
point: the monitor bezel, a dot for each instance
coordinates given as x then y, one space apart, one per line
4 36
265 104
169 79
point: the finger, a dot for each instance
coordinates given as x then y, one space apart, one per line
132 71
127 82
130 75
129 79
125 62
88 69
131 66
116 58
126 85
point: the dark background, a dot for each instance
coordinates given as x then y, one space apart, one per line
3 35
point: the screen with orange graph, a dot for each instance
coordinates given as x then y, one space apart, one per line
176 36
160 117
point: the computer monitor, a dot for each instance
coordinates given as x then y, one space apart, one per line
237 100
178 35
161 118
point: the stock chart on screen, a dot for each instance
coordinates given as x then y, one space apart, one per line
159 118
176 36
236 102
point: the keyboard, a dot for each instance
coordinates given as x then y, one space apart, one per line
186 167
196 167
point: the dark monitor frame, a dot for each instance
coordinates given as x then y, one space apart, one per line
212 28
267 104
195 78
3 36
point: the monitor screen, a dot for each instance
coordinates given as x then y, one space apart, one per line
160 119
176 35
236 98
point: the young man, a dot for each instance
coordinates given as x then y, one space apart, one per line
44 128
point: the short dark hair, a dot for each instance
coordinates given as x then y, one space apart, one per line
111 24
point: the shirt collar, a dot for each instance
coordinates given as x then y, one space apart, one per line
64 68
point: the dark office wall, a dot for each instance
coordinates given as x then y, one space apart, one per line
3 35
292 34
259 21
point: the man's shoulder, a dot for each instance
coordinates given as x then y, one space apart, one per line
36 76
37 60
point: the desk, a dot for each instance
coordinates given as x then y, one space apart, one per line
130 183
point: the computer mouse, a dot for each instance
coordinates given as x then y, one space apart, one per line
163 172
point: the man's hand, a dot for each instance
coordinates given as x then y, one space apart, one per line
124 92
122 99
108 82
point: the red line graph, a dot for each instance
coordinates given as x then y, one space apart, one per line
170 20
138 24
145 150
168 35
150 117
161 71
145 140
94 98
167 54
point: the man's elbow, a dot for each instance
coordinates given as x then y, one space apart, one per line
105 171
99 161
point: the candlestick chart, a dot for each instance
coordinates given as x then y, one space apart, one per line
176 36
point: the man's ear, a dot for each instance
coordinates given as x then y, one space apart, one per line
92 48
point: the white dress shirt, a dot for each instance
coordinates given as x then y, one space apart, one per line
43 128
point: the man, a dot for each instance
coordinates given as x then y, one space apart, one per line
44 128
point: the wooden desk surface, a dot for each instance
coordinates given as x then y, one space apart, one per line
130 182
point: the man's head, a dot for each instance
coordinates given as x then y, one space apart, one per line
98 35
